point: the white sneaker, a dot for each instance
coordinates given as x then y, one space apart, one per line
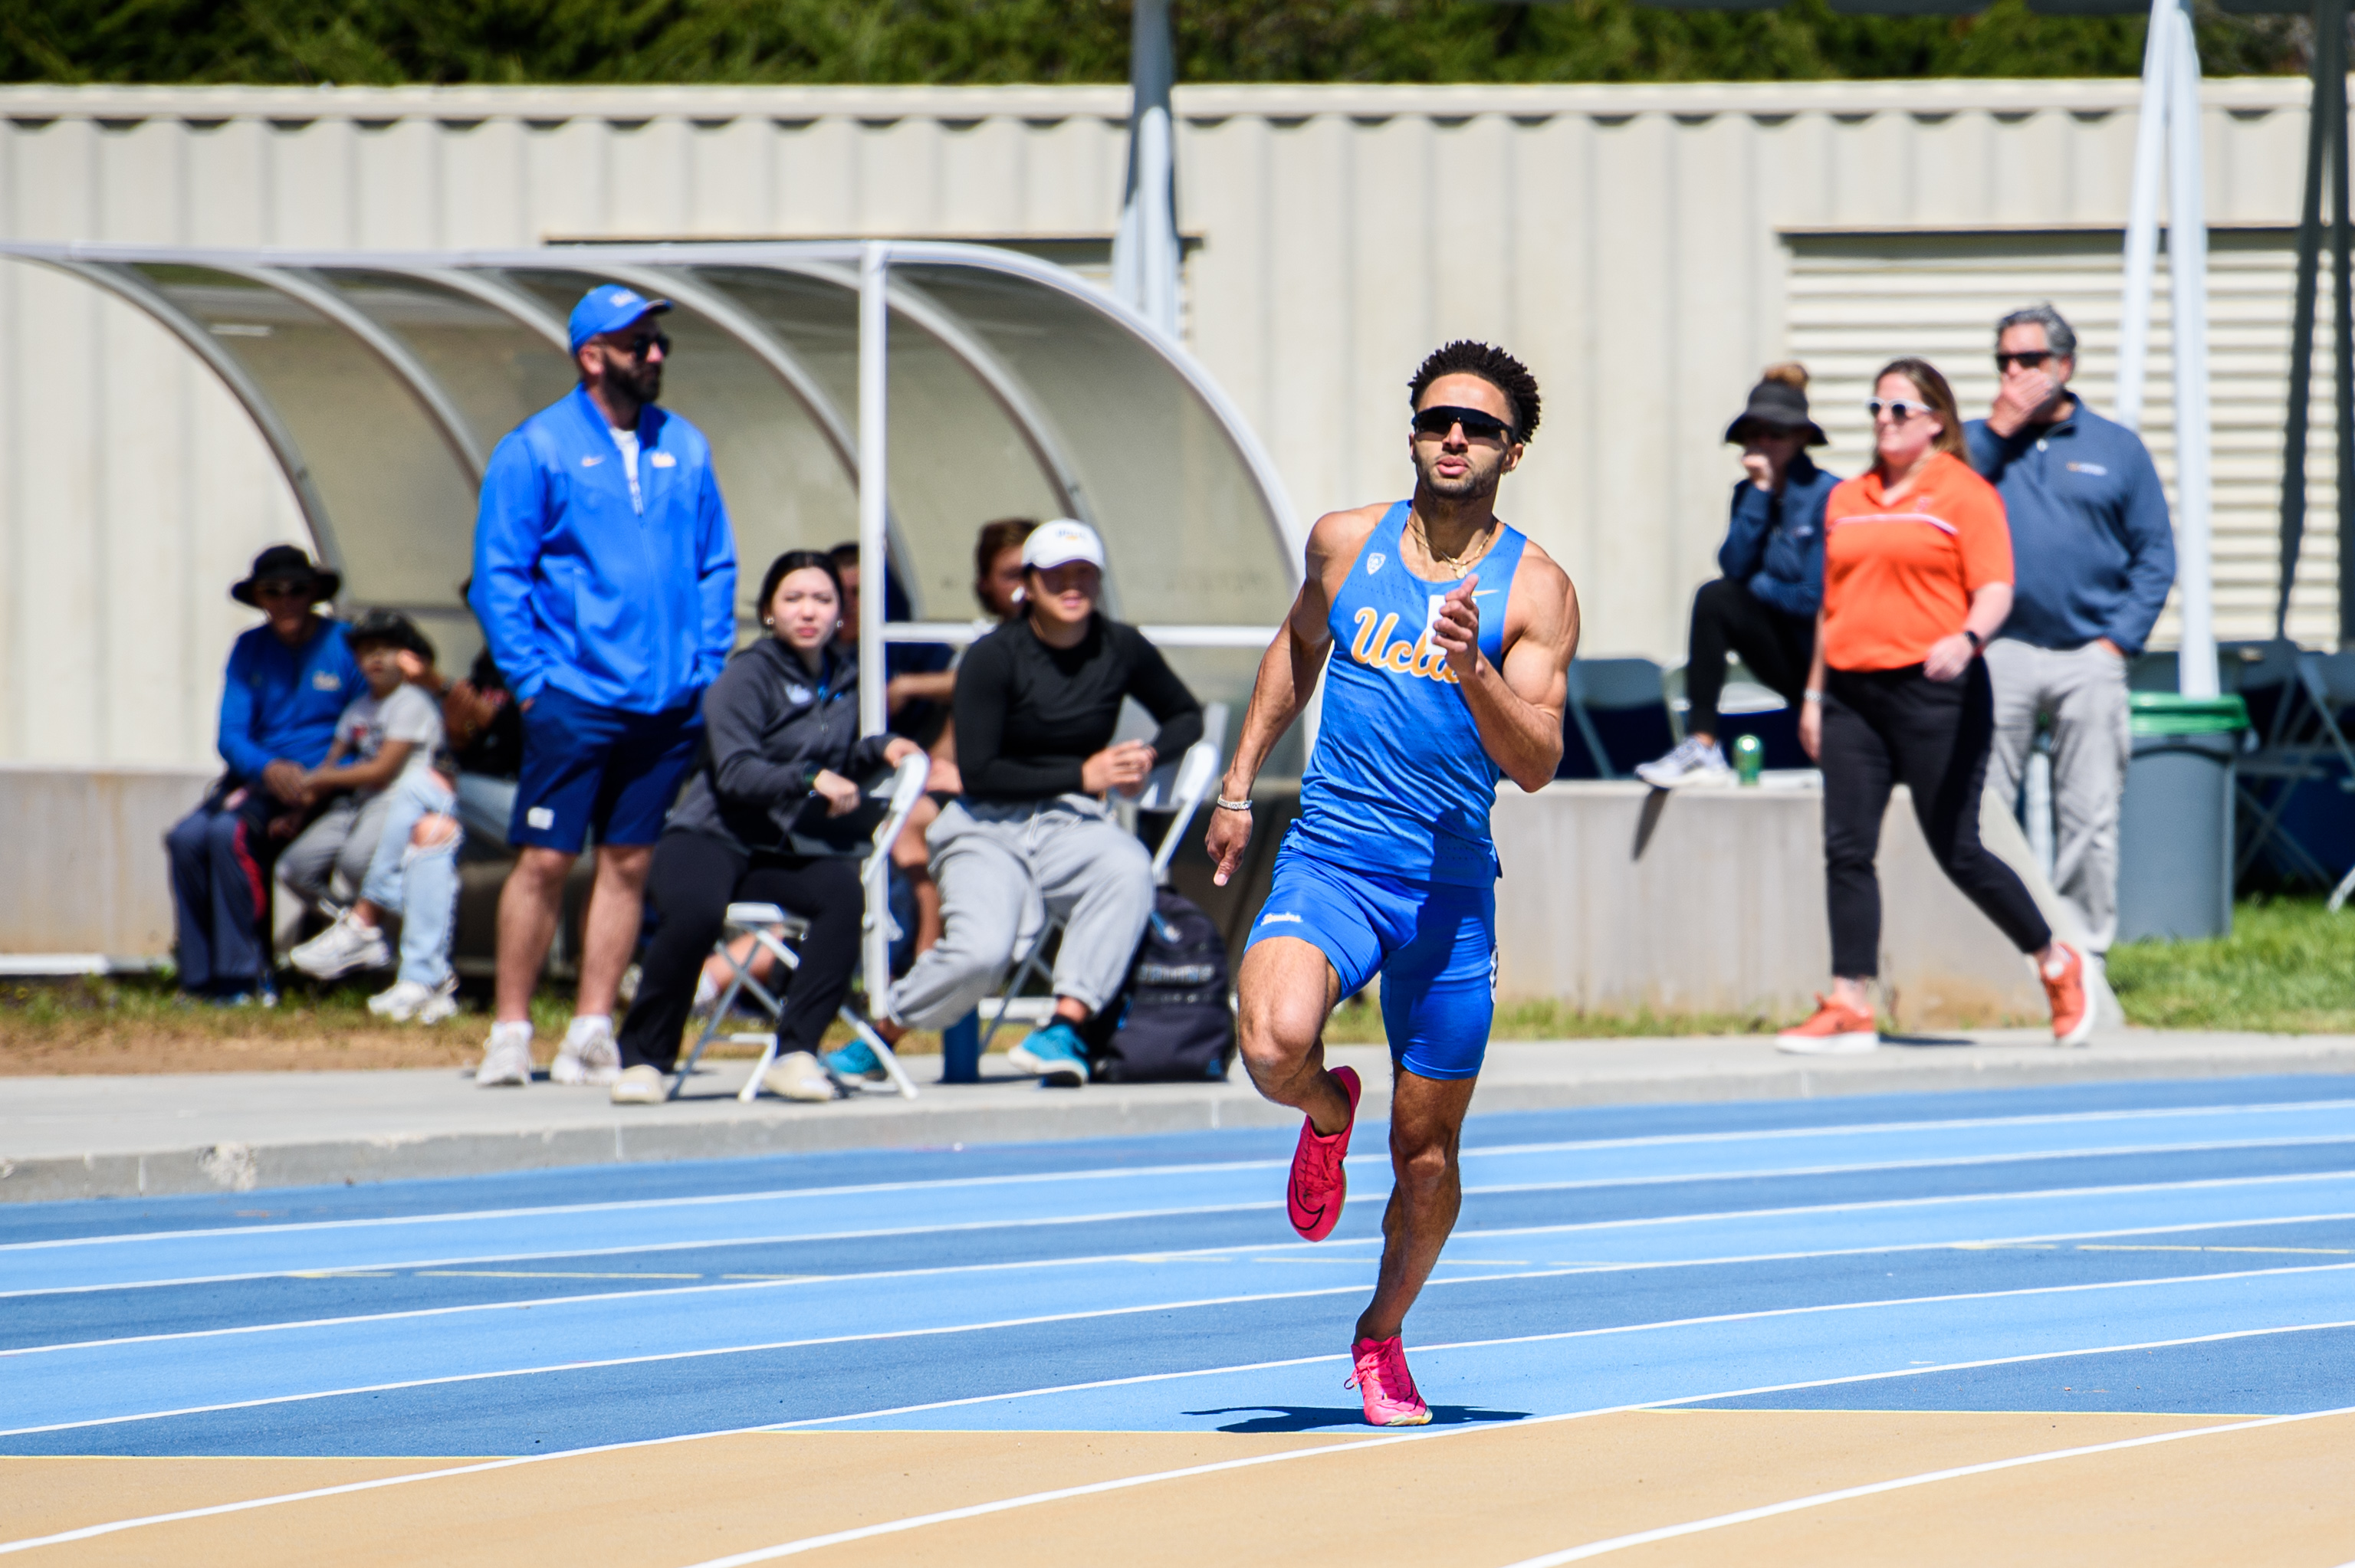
706 997
1693 761
798 1075
342 948
640 1085
409 1002
587 1055
507 1056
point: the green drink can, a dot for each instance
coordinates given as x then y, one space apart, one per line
1749 757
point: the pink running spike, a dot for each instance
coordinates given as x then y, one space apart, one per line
1319 1181
1383 1381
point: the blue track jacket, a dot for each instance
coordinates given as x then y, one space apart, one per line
1774 543
281 704
575 587
2093 552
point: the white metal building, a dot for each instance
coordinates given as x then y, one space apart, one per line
1645 249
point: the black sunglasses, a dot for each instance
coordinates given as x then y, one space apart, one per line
1478 425
636 347
279 589
2033 360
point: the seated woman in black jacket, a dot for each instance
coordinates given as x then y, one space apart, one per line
760 822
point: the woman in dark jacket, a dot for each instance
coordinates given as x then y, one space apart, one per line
762 820
1764 607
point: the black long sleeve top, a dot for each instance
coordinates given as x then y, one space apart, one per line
770 726
1029 716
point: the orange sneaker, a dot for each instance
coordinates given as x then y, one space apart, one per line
1836 1030
2064 987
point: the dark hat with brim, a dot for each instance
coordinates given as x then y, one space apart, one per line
1781 407
391 626
284 563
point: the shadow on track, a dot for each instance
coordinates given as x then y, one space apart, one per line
1310 1417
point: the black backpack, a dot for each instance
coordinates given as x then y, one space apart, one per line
1172 1020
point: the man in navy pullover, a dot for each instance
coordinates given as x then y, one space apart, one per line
605 582
288 681
2093 557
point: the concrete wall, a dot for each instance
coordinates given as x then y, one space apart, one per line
82 861
1635 244
1618 897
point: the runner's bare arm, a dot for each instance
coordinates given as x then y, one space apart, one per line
1288 673
1517 707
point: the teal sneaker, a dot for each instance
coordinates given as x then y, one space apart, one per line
1055 1054
856 1060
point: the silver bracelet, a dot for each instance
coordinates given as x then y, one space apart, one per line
1811 696
1226 805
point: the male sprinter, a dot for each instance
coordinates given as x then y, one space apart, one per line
1458 633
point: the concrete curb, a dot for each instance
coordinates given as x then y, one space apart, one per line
113 1138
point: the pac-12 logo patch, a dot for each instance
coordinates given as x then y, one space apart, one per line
1374 562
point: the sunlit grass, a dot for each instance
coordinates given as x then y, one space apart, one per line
2288 968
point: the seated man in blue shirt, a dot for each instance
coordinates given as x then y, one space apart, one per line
288 682
2093 557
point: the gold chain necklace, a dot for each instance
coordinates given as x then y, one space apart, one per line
1459 565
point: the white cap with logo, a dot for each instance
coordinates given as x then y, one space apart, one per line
1059 542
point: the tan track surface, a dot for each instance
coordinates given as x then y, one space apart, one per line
1490 1497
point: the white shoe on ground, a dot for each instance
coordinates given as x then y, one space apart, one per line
798 1075
587 1055
342 948
507 1056
641 1086
1692 762
409 1002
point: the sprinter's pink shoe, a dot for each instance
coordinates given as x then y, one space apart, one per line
1383 1381
1320 1182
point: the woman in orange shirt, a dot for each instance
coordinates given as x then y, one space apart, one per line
1917 577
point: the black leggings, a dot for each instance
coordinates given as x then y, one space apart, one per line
694 879
1777 647
1885 727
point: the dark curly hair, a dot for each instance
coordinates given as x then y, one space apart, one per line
1490 363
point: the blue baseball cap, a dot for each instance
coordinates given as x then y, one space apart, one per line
609 307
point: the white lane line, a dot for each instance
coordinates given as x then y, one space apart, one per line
1660 1325
2042 1241
1115 1173
1421 1435
1931 1477
1637 1221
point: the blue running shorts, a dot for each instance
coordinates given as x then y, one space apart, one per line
1434 943
589 768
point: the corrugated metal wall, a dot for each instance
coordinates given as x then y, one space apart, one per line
1634 245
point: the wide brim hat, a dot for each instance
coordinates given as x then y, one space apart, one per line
1778 406
286 561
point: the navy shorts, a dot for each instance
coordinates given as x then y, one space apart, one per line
588 769
1434 943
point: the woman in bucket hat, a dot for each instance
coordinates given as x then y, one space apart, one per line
1764 607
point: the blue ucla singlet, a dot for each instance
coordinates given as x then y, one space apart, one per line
1400 782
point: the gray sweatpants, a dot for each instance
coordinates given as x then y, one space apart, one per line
1002 870
340 841
2083 692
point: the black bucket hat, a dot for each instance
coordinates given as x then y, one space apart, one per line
1780 407
284 562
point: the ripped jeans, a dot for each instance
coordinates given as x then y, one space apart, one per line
419 881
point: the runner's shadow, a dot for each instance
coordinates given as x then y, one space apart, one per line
1310 1418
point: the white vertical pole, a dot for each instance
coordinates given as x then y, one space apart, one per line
874 502
2186 248
2142 213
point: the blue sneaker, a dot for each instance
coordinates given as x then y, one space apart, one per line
1055 1054
856 1060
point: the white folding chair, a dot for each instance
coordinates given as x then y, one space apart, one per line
1188 786
771 927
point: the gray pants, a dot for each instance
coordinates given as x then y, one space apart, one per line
1002 871
338 844
2083 692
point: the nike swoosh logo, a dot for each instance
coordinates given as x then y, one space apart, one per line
591 462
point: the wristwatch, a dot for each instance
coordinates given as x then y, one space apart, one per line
1978 641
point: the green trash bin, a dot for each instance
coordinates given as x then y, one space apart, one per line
2175 827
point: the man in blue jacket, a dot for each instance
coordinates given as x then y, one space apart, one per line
288 681
605 582
2093 557
1764 607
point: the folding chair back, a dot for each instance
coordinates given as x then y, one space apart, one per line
1615 715
772 928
